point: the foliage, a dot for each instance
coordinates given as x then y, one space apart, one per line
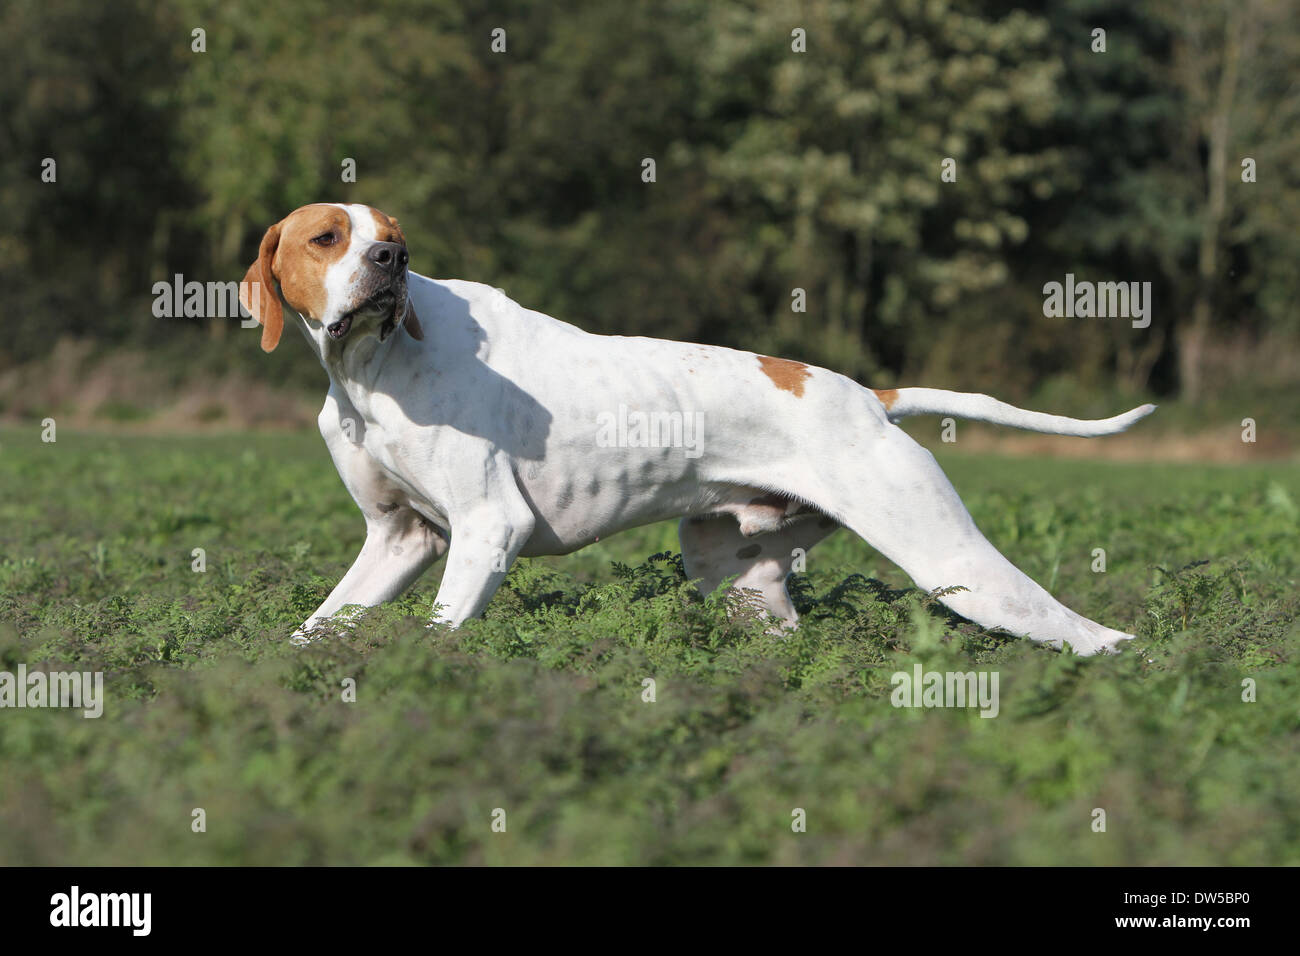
538 708
776 170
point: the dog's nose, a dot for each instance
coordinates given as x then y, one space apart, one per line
389 256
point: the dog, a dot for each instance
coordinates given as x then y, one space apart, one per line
466 425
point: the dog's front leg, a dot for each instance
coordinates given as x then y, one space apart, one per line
483 546
398 549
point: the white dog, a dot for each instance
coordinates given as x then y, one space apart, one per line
464 423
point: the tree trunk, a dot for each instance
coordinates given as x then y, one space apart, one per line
1194 335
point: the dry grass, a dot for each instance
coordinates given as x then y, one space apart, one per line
84 387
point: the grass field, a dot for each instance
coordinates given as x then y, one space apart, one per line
538 709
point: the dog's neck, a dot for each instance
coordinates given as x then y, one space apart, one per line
355 362
452 340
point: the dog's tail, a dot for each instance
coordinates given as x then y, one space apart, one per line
902 402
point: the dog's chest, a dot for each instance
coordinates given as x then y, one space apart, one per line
404 461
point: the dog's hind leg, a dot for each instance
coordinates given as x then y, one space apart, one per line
714 549
891 492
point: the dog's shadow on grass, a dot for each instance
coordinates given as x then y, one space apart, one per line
856 593
846 601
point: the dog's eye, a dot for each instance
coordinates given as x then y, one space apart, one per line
326 239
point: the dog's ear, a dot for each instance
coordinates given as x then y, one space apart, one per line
411 321
259 294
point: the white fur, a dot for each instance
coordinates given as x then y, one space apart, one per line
482 441
934 401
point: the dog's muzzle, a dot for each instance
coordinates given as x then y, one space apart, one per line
386 302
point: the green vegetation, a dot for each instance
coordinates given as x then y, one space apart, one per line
776 170
537 709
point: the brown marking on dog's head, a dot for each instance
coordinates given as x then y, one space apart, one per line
386 227
296 251
785 373
887 396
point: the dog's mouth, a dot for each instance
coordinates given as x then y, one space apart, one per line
383 303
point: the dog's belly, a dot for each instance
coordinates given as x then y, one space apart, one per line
585 509
575 505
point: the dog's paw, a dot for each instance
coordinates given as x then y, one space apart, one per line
1116 644
1112 642
317 629
313 632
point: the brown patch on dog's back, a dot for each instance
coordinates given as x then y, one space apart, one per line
887 396
785 374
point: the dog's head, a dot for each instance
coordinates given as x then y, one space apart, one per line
343 266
